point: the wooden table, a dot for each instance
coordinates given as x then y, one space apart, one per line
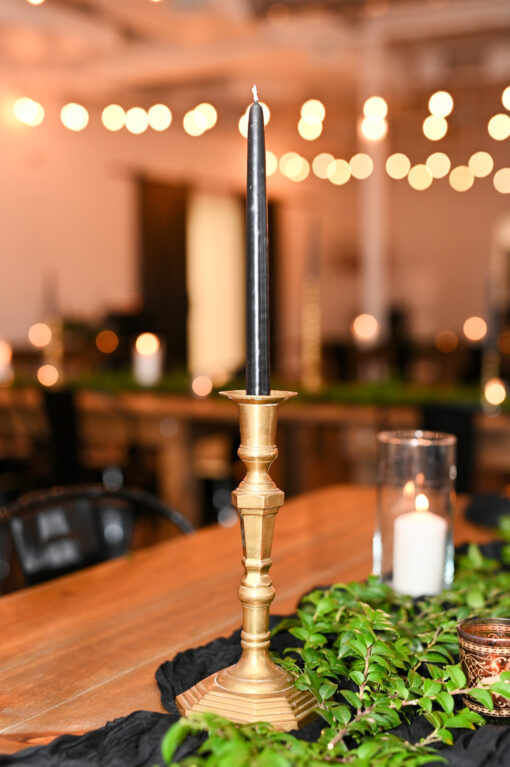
83 649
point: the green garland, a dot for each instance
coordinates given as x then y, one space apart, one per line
373 659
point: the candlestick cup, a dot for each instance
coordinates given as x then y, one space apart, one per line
413 542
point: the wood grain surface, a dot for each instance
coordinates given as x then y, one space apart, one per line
83 649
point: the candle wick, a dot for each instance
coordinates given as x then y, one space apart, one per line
255 94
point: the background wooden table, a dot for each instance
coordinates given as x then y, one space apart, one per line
82 650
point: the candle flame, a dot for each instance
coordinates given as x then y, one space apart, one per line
255 94
422 502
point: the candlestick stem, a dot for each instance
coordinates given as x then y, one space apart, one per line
255 689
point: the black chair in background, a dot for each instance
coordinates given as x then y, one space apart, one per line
63 529
457 419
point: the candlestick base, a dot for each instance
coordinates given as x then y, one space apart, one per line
255 689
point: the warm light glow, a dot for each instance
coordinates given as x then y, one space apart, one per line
137 120
419 177
505 97
107 341
321 164
35 2
440 104
373 129
409 489
194 123
113 117
5 353
243 125
201 386
39 334
501 180
421 502
361 165
398 165
147 344
47 375
266 112
74 117
309 132
209 114
271 163
481 164
294 167
339 172
475 328
438 164
499 127
435 127
446 341
365 328
495 391
313 112
159 116
28 111
461 178
375 107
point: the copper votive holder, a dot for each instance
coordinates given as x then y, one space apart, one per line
484 645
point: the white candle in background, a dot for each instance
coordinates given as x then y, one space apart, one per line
147 360
419 548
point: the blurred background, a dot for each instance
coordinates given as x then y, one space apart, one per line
122 226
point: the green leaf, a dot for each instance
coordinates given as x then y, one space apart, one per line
351 697
484 697
446 701
501 688
457 676
431 688
445 736
475 599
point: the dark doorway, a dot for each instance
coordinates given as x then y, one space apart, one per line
163 265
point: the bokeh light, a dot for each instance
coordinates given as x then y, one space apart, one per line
501 181
48 375
438 164
209 113
107 341
313 112
243 125
201 386
28 111
361 165
373 129
39 334
74 117
137 120
309 132
159 117
440 104
147 344
365 328
474 328
375 107
461 178
481 164
495 391
499 127
434 127
421 502
446 341
5 353
419 177
505 97
321 163
113 117
398 165
194 123
339 172
271 163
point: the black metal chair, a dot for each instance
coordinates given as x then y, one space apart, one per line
63 529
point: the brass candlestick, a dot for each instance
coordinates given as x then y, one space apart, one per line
255 689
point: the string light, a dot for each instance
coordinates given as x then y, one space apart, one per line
481 164
28 111
209 113
339 172
5 353
375 108
321 163
474 328
48 375
201 386
361 165
74 117
365 328
309 132
39 334
440 104
159 117
271 163
294 167
373 129
313 112
461 178
495 391
147 344
419 177
398 165
505 97
35 2
435 127
499 127
137 120
501 181
438 164
113 117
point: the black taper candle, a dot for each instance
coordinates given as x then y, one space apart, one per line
257 266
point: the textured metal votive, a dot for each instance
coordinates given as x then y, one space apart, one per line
484 645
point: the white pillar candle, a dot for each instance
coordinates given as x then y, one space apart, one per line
419 548
147 360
